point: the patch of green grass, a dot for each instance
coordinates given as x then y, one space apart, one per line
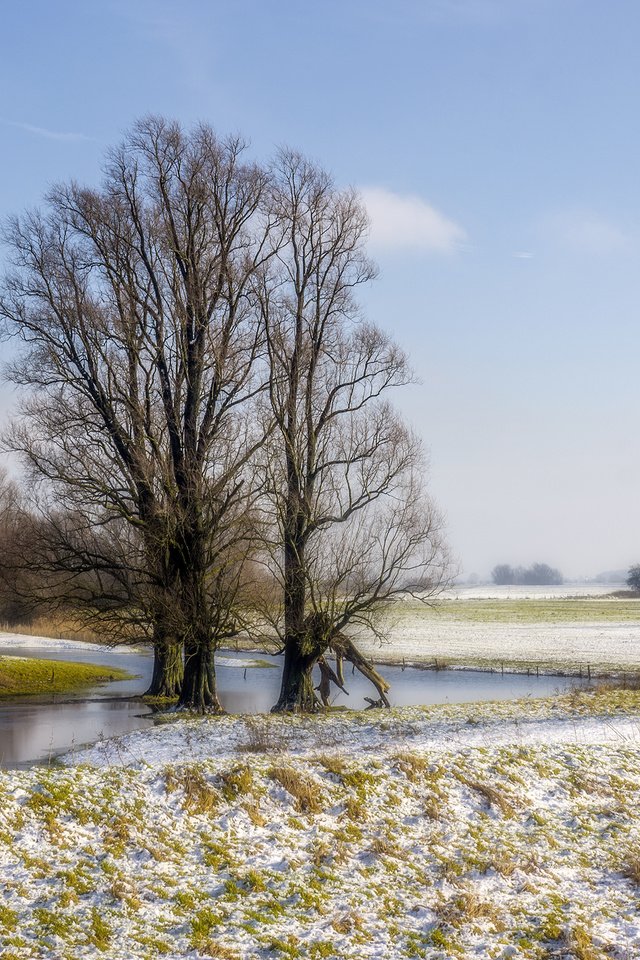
28 676
560 610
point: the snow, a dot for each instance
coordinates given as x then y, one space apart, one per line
54 643
433 730
487 831
568 645
565 591
19 640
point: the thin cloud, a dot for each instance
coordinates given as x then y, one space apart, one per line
47 134
407 222
522 255
586 232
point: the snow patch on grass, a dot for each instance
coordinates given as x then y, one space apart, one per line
368 844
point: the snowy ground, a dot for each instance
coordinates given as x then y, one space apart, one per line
492 591
566 629
485 831
568 646
573 718
18 640
415 637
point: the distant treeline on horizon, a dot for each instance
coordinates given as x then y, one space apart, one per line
539 574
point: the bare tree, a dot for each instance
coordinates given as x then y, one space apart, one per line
352 529
16 600
140 350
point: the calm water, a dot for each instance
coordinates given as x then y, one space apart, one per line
36 730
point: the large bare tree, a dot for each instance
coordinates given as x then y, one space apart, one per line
348 526
139 357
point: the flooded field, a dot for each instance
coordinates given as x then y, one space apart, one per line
35 730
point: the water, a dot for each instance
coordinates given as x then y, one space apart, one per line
36 730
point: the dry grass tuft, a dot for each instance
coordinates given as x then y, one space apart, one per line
631 868
581 945
216 951
347 923
305 792
384 846
411 764
236 782
432 808
497 799
466 907
252 809
57 627
332 763
261 737
200 796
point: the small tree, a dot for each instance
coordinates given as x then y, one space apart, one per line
502 574
633 577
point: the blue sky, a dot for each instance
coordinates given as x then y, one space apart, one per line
497 146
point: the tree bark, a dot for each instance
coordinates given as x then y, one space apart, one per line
168 669
199 692
296 691
297 694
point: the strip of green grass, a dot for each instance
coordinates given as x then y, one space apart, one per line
27 676
529 611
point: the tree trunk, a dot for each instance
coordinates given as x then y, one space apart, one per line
199 685
168 669
346 648
296 692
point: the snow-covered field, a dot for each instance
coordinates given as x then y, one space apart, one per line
17 640
492 591
565 628
568 646
486 831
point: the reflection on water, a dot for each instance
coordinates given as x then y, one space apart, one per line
408 687
35 730
29 732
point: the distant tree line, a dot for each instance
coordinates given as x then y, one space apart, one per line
539 574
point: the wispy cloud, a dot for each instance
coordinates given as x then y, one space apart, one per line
522 255
586 232
47 134
407 222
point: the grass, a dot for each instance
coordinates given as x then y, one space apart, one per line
305 793
519 863
565 610
27 676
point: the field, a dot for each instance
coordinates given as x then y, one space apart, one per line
515 629
486 830
498 831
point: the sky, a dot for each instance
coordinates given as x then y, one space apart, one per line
496 145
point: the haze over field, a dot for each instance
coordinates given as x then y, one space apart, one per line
498 165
